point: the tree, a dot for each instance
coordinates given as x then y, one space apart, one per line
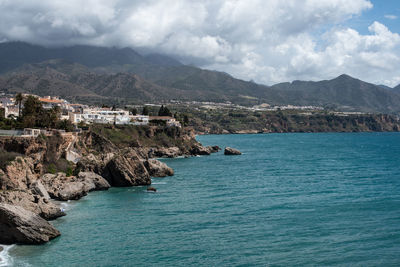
65 125
161 111
164 111
185 119
33 112
19 98
145 110
54 115
134 111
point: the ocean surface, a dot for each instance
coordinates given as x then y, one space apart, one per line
290 200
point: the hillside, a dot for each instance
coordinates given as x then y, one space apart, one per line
343 92
104 74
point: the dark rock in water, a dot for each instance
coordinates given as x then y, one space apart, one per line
21 226
126 169
213 149
199 150
152 189
1 249
157 168
232 151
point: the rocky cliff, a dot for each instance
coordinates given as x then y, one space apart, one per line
34 172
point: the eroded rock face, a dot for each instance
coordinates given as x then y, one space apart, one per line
34 203
18 174
93 181
213 149
38 188
61 187
126 169
21 226
232 151
165 152
199 150
157 168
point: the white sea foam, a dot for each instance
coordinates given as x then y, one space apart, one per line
5 258
158 183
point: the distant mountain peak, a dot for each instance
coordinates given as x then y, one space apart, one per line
345 76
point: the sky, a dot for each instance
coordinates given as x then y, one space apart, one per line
266 41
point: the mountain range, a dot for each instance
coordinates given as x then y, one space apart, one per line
110 74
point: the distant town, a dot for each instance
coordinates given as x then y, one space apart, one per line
80 114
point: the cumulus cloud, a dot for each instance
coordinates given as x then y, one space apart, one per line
267 41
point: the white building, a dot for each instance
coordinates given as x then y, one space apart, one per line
100 115
139 119
11 110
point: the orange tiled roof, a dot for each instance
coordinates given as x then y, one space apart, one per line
46 100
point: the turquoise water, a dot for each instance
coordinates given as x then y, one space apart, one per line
290 199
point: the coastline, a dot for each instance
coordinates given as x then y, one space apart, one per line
27 189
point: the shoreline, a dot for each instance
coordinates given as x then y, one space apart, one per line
322 132
32 195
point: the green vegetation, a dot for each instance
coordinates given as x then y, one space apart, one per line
224 120
145 136
7 157
145 110
61 165
33 115
164 111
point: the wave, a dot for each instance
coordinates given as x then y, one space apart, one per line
5 258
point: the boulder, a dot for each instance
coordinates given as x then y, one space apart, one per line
126 169
213 149
21 226
38 188
198 149
34 203
165 152
232 151
61 187
157 168
94 182
151 189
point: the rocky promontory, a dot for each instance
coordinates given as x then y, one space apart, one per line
35 172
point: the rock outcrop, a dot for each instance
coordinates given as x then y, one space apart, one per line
156 168
27 192
34 203
21 226
232 151
18 174
165 152
63 188
213 149
199 150
126 169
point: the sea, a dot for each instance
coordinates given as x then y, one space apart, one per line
299 199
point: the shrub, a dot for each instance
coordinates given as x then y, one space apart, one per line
51 168
7 157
